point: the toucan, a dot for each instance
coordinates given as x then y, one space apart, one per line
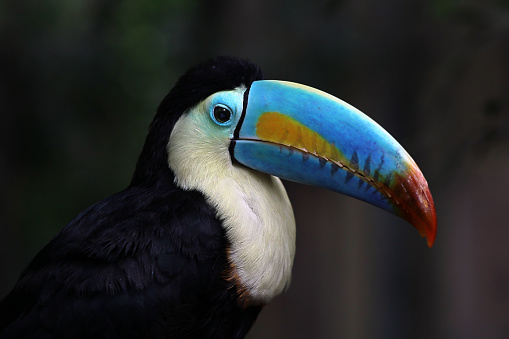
204 235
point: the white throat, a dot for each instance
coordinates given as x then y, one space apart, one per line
254 207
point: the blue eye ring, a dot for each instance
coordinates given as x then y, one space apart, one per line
221 114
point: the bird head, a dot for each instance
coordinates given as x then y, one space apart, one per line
223 111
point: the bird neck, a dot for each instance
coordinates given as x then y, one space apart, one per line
255 212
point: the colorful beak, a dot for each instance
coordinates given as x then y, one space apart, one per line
301 134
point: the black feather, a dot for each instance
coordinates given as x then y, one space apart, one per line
147 262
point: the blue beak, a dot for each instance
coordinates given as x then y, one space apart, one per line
301 134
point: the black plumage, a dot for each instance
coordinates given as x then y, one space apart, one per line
147 262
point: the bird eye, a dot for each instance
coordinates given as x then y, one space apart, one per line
222 114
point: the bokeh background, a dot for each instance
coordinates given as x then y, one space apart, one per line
80 82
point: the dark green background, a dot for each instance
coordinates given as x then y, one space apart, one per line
80 82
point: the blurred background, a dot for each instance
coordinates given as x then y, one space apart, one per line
80 82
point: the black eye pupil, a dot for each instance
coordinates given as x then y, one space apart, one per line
222 114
